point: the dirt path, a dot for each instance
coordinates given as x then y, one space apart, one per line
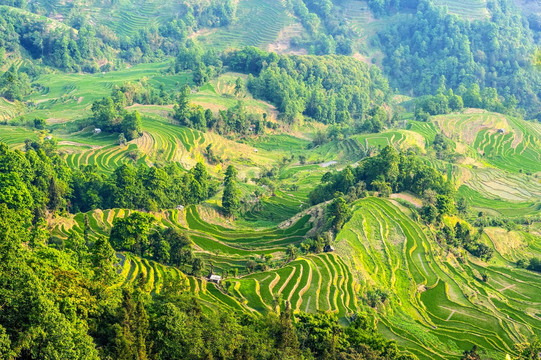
422 263
507 287
412 199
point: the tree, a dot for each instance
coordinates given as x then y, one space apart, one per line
131 333
321 333
251 265
197 266
462 206
338 212
445 205
132 125
77 244
131 233
291 252
287 340
39 123
200 174
472 97
429 213
239 85
181 109
105 114
179 243
529 350
161 251
382 187
103 258
471 354
122 139
231 194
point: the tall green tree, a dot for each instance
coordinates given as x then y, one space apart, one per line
132 232
338 212
103 259
231 195
132 125
182 109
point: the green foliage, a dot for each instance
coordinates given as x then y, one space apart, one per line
231 195
109 115
385 7
307 85
338 213
39 123
132 233
386 172
234 120
132 126
15 84
140 188
79 48
434 43
328 34
529 350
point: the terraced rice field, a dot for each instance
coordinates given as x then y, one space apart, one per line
258 24
506 143
59 102
219 94
237 242
128 21
8 110
15 136
313 283
497 207
497 184
469 9
432 290
155 278
426 129
355 147
162 142
228 249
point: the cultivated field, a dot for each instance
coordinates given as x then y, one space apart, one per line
432 288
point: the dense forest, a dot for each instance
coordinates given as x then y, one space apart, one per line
330 89
495 54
